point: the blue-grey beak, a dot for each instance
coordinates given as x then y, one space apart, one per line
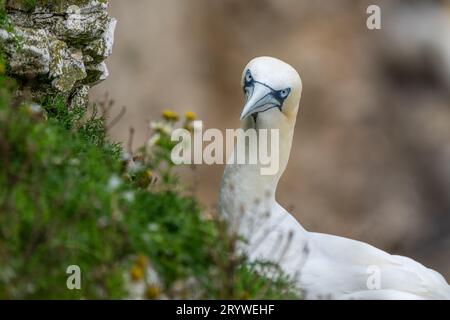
260 98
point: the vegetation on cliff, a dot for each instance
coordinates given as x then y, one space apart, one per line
69 196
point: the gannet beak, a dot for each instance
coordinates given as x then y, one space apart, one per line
260 98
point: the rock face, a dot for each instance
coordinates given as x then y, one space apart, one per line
58 46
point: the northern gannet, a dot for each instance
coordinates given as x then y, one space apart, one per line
323 266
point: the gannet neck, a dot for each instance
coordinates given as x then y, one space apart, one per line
243 185
273 120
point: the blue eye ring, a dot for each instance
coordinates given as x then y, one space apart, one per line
248 77
284 93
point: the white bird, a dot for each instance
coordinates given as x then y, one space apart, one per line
322 265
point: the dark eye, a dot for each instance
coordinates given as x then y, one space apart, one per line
248 77
284 93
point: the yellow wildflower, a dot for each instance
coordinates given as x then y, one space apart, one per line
152 292
170 115
191 116
142 261
137 273
145 178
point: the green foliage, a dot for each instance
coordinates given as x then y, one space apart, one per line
30 4
53 192
68 196
6 25
4 20
265 281
180 239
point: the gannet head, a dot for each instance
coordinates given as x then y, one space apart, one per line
270 84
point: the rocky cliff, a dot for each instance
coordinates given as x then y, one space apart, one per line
57 47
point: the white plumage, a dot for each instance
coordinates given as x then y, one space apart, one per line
323 266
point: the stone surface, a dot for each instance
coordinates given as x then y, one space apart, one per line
58 46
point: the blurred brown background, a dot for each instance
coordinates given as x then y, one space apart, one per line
371 155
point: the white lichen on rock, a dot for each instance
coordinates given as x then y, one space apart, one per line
62 45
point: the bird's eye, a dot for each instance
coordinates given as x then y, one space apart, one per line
284 93
248 76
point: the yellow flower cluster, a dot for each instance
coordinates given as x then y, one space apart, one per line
170 118
137 273
149 174
152 292
139 268
191 116
173 116
170 115
145 178
142 260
